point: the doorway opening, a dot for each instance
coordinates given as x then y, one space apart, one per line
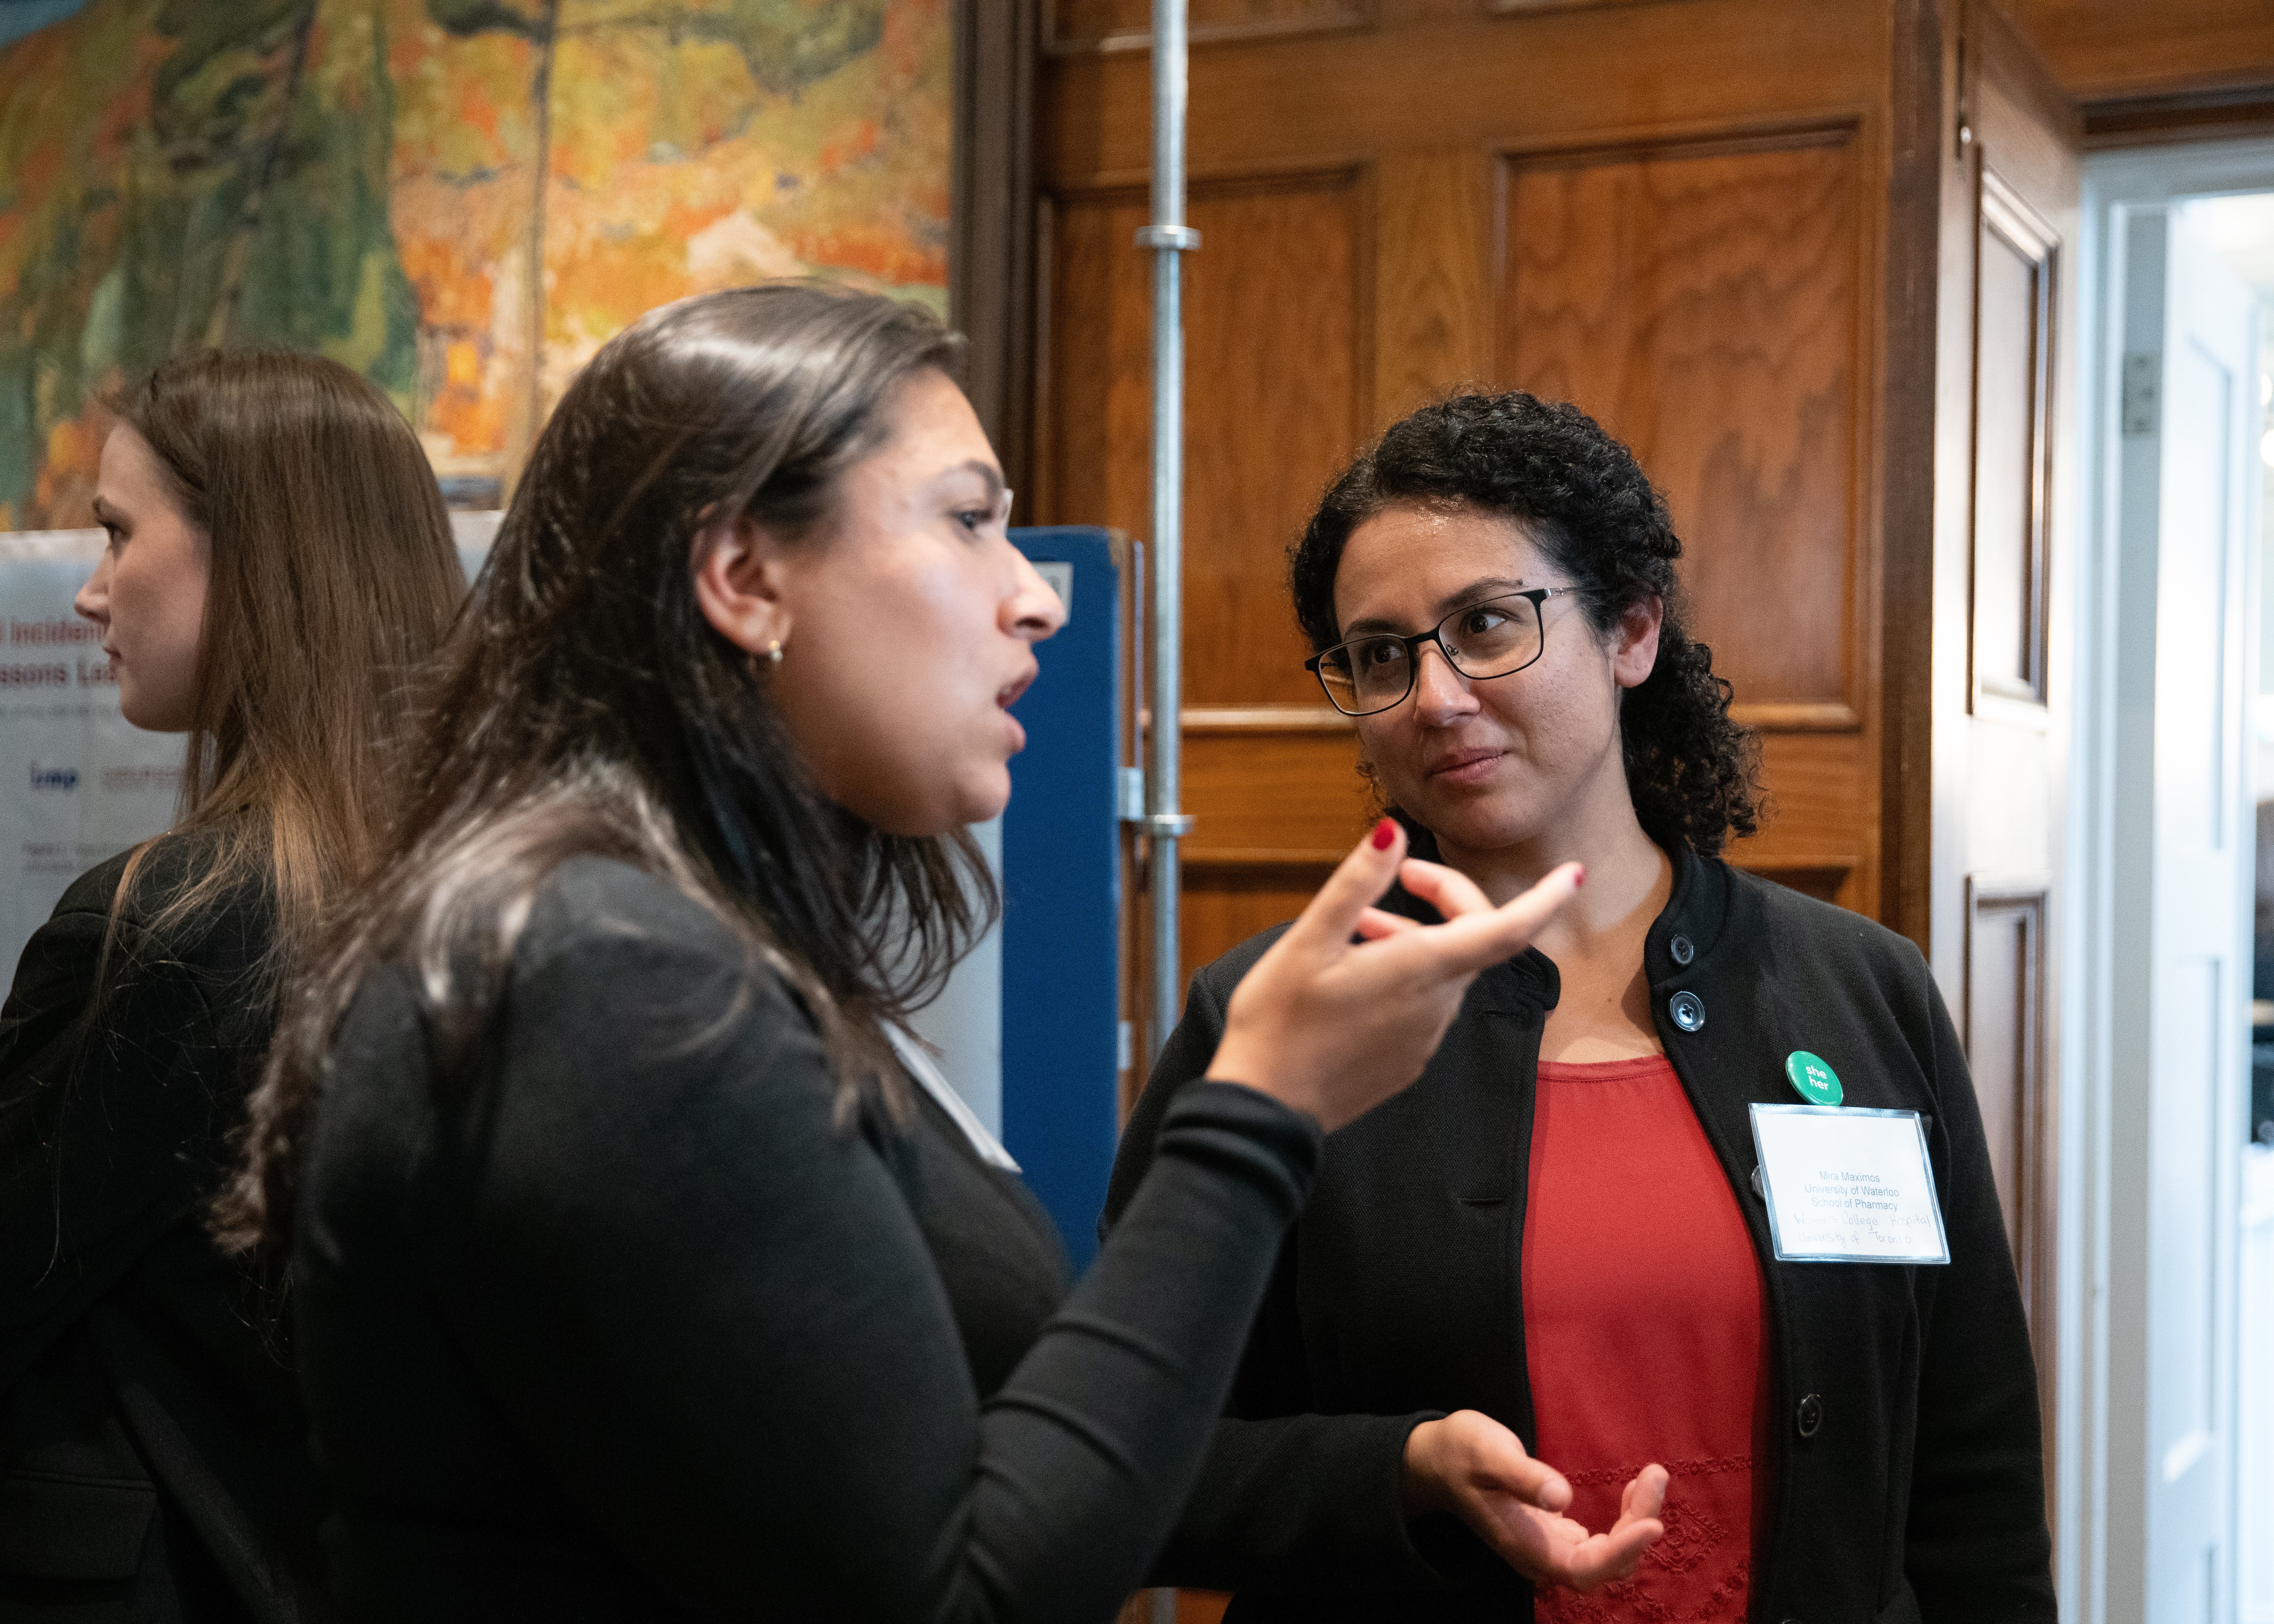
2167 1489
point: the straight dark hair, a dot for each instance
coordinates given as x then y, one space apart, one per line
585 706
1692 770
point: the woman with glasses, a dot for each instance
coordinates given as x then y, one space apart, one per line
1557 1246
645 1268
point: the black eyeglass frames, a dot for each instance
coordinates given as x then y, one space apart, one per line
1496 637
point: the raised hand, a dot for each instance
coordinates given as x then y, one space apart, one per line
1334 1027
1470 1465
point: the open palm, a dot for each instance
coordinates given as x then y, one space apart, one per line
1472 1466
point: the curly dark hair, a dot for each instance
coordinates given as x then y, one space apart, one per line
1582 498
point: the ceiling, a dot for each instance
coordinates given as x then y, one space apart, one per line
2105 50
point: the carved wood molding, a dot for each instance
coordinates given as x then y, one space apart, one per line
1768 717
1689 138
2020 901
2001 213
1217 181
1263 719
1799 716
1196 856
1823 877
1529 8
1335 16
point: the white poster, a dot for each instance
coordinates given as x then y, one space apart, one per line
77 784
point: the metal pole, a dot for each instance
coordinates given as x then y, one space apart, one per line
1169 238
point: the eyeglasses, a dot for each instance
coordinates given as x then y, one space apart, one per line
1495 638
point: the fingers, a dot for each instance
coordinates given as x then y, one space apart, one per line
1332 917
1503 1461
1374 924
1605 1559
1449 890
1549 1548
1469 942
1645 1496
1475 940
1609 1557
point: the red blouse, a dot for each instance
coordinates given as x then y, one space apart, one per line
1643 1334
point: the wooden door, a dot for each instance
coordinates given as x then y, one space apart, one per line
1709 222
2004 546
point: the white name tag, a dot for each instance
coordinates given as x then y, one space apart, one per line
1848 1185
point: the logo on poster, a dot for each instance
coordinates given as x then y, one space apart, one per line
55 780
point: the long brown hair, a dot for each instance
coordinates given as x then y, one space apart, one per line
333 574
584 706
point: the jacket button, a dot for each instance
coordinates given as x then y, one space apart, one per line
1688 1010
1811 1416
1684 952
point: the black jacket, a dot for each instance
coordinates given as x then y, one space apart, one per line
618 1322
154 1464
1906 1479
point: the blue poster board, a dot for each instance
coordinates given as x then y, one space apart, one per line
1062 894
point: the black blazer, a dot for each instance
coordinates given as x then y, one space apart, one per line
620 1322
1906 1480
154 1463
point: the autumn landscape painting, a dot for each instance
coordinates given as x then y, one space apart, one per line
460 198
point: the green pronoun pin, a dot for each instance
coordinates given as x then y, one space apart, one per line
1813 1080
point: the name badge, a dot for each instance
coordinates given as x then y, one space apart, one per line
1848 1185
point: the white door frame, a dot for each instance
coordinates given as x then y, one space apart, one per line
2098 1572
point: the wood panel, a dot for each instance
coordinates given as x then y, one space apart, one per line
1262 796
1365 237
1460 77
2006 1049
1223 910
2013 373
1276 295
1128 24
1700 301
1433 300
990 291
1817 834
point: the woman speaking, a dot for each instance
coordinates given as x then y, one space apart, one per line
1556 1242
636 1276
278 558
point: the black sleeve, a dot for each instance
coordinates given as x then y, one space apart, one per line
713 1316
1287 1501
109 1134
1976 1543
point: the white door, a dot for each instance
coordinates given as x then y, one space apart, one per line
2200 417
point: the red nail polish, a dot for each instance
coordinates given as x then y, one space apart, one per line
1384 832
1580 877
